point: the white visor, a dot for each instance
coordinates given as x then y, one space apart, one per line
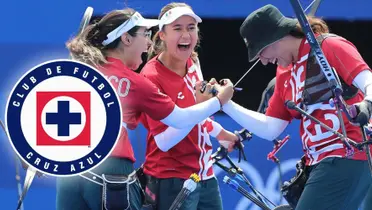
135 20
175 13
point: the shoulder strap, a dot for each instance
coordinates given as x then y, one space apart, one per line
348 91
322 37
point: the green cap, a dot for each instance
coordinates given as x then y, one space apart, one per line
263 27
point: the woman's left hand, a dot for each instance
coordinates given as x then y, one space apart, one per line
227 139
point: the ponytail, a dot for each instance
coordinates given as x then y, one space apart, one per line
157 46
317 25
85 47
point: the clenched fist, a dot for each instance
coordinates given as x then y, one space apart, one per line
225 91
204 90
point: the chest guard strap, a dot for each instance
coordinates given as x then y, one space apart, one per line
316 89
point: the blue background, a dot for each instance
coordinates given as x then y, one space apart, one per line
35 31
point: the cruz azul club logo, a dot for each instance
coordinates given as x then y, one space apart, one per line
63 117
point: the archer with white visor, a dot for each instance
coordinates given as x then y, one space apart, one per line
173 154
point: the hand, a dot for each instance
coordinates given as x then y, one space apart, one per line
204 90
227 145
243 135
364 110
225 91
213 81
227 139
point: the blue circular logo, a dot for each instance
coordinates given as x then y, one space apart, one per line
63 117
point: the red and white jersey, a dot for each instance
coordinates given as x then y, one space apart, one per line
137 95
193 153
319 143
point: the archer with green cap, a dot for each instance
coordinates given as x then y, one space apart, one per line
333 180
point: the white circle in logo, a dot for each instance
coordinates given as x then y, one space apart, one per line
51 109
63 152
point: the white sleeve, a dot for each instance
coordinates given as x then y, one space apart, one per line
363 81
263 126
171 137
190 116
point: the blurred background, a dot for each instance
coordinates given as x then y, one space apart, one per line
36 31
